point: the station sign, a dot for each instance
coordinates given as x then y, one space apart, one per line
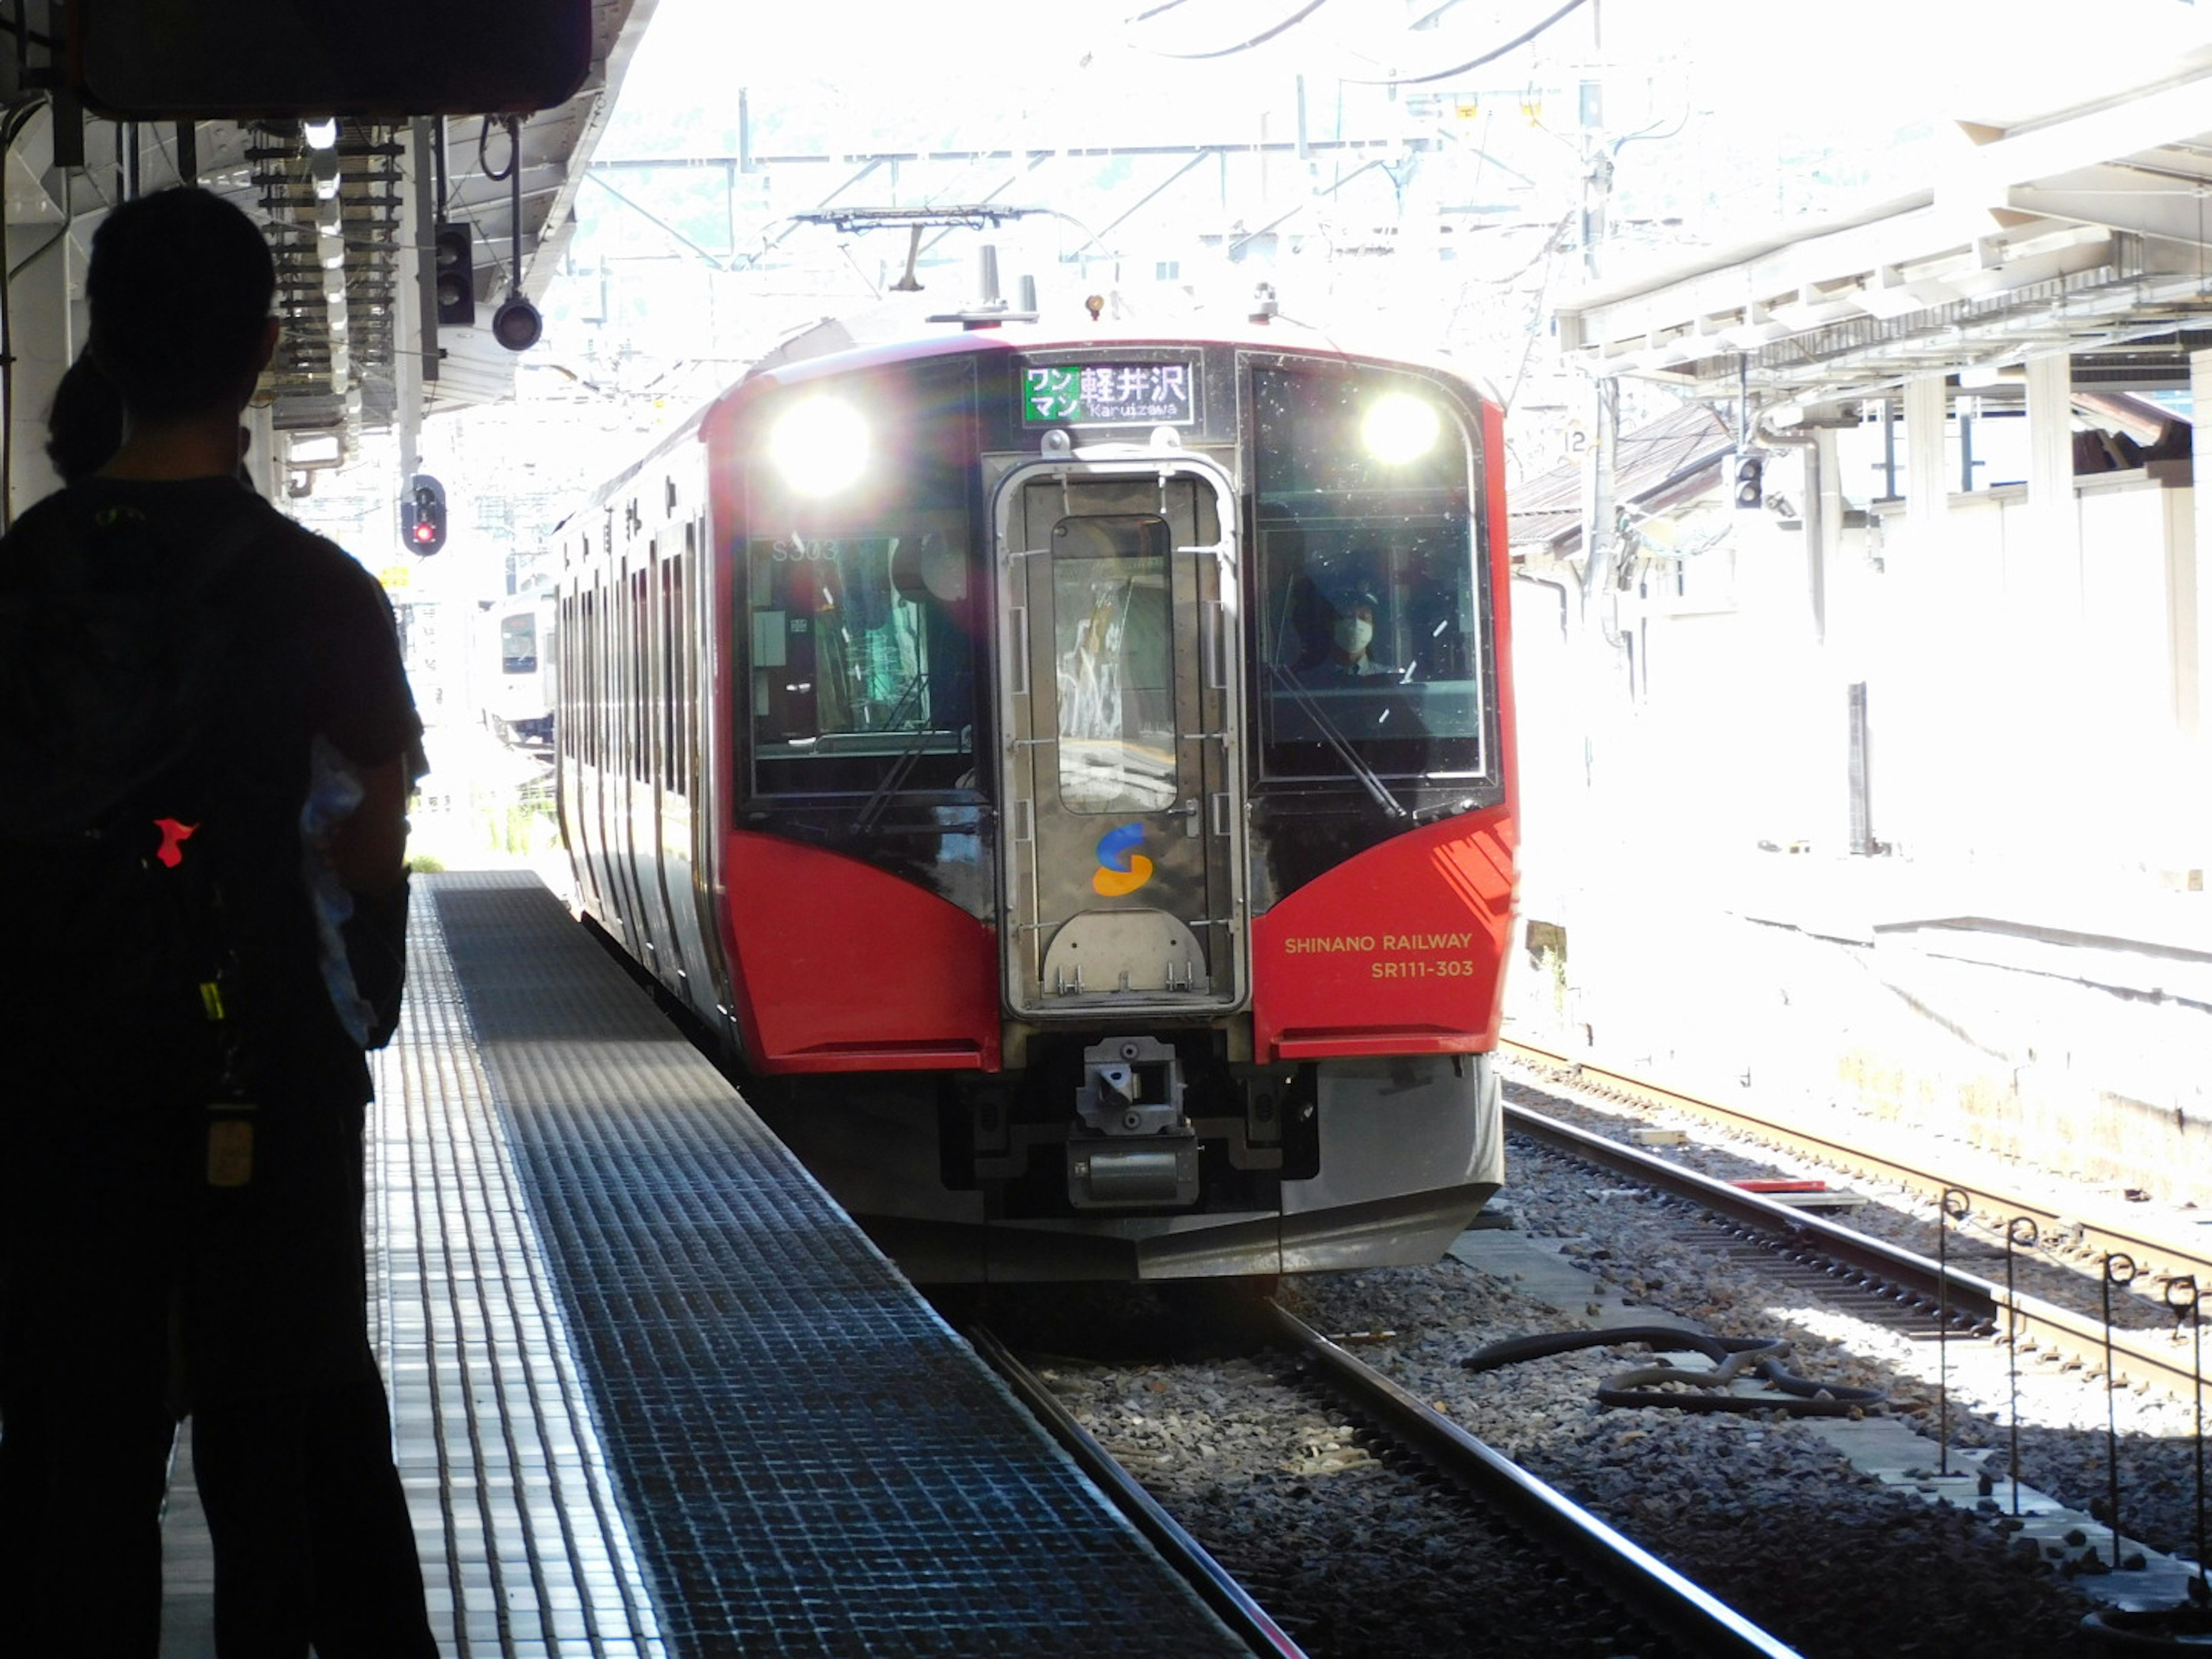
263 59
1109 394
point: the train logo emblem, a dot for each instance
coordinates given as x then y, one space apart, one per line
1122 869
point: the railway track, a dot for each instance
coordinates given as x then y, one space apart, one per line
1215 1586
1594 1580
2097 1232
2159 1358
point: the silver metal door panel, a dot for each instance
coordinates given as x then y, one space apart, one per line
1121 852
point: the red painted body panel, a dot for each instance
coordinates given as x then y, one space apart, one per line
1397 951
1501 604
842 968
1402 949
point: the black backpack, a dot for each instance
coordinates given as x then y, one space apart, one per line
118 648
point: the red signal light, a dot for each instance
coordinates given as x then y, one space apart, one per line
423 515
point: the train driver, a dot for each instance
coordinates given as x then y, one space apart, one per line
1350 650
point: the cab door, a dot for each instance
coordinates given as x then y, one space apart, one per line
1122 844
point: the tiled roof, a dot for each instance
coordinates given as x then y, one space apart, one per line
1679 455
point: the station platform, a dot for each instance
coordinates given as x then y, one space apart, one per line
655 1396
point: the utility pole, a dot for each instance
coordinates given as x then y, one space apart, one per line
1590 709
1598 539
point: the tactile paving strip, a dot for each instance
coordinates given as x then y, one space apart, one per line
810 1461
525 1552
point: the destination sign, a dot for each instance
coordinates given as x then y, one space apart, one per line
1109 394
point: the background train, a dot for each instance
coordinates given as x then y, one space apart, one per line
1074 778
517 671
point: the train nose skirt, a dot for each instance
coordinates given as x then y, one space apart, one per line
655 1395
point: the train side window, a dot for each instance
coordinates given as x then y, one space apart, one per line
562 648
605 666
698 584
679 670
615 671
638 643
596 649
1371 613
602 697
602 701
860 593
667 688
588 680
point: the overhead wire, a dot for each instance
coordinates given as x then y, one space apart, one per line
1646 134
514 149
1549 254
511 125
1259 39
1494 54
38 254
866 281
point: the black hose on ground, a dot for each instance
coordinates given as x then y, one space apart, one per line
1659 1385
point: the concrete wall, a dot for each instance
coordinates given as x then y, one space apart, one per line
2029 960
2005 690
2017 1038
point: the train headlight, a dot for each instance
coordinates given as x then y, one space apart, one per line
819 447
1400 428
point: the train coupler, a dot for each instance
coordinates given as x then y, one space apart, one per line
1133 1146
1132 1086
1120 1174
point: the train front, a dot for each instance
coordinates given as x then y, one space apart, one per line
1124 860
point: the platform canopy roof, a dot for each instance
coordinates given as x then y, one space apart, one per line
556 147
2084 229
337 208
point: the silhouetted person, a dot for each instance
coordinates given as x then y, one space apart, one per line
172 1234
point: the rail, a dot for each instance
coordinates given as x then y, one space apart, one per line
2026 1318
1647 1586
2104 1233
1213 1583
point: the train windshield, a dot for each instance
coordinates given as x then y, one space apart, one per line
1369 633
517 645
858 590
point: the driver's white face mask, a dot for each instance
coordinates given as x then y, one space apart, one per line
1353 635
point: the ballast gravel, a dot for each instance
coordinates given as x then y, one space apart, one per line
2069 1426
1360 1556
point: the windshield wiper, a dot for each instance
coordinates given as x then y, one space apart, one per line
903 763
1332 735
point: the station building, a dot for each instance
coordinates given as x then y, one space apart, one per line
1868 764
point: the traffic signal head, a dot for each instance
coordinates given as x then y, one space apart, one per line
516 324
1750 480
455 270
423 515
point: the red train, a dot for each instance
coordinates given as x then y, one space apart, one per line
1073 774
